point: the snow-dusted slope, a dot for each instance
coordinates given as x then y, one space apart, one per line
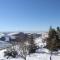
13 33
4 44
1 34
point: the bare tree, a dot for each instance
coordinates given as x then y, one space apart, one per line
24 44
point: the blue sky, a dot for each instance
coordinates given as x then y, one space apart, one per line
29 15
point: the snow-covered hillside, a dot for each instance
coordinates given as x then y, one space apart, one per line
41 53
7 36
4 44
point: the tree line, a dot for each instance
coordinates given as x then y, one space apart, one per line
53 39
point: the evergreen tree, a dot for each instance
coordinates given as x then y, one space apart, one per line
52 39
32 47
58 38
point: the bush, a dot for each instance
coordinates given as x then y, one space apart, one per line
10 54
33 49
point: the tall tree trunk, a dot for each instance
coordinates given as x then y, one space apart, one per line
51 56
25 58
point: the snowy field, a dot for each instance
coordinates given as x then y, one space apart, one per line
35 56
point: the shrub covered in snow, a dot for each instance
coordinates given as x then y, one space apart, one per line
10 54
